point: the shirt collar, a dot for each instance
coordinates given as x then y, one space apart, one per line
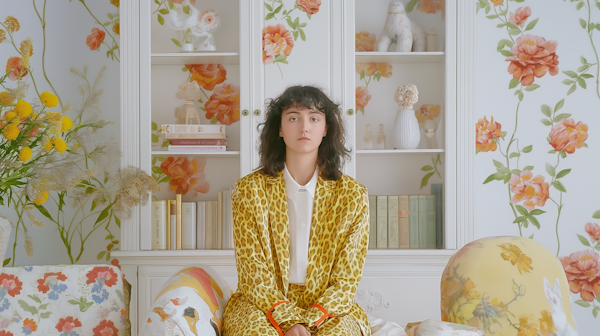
292 187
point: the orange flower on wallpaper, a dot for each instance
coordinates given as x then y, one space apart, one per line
429 111
533 57
532 191
431 6
362 98
497 2
179 2
513 253
366 69
277 40
309 6
568 135
187 176
527 325
583 272
547 326
12 24
365 41
224 103
116 28
385 69
520 15
95 39
593 230
14 67
487 132
2 35
207 75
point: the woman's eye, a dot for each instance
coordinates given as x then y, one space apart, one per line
314 119
293 119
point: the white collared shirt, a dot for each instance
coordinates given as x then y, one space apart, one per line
300 207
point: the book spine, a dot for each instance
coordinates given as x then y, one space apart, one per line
225 242
430 208
413 221
198 142
208 222
382 214
422 221
182 128
159 225
179 220
189 226
372 222
437 190
170 136
220 220
200 225
393 240
197 148
173 225
403 222
215 228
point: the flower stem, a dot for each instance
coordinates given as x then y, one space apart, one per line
508 165
101 25
589 32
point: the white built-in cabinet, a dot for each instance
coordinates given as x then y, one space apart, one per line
399 285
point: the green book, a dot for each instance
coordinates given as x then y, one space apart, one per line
413 221
437 190
430 236
372 222
393 234
422 221
382 216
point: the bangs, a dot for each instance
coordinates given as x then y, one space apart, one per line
303 97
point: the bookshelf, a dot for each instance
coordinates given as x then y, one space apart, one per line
152 72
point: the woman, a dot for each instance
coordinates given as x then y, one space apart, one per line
301 227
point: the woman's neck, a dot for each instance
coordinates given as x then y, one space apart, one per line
301 167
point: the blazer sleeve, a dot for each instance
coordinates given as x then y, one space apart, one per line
346 273
255 281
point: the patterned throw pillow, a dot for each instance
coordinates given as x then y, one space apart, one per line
438 328
190 303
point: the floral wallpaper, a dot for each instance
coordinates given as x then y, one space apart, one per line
536 106
63 57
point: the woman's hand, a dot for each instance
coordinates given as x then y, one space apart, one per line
297 330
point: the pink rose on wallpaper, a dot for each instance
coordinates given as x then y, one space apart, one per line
366 69
364 41
486 134
427 112
431 6
533 57
14 68
187 176
224 103
95 39
207 75
583 272
593 230
520 15
276 40
532 191
568 135
309 6
362 98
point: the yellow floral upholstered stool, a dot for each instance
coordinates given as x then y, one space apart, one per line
510 286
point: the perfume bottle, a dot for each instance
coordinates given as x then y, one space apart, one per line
368 139
380 138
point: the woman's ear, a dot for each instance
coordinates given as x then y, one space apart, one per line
325 132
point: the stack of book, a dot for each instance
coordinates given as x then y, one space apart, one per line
199 138
203 225
407 221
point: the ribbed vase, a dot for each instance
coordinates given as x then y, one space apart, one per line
407 132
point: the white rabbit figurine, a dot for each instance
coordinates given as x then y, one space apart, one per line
563 328
404 31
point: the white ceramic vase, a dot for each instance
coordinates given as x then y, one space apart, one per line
406 128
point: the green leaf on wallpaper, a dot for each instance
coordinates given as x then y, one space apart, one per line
513 83
214 119
514 155
43 211
552 151
44 306
537 212
162 158
28 308
154 126
598 249
531 24
531 237
425 179
295 34
572 89
489 179
596 214
154 160
487 9
520 95
595 311
550 169
186 9
165 179
527 149
579 6
93 205
411 5
45 315
568 81
563 173
164 11
534 221
501 25
268 7
506 53
290 22
520 219
583 60
531 87
583 68
586 76
515 172
582 83
559 105
102 215
514 31
302 35
522 210
155 1
308 16
492 17
184 69
6 262
427 168
107 256
582 23
165 143
506 178
559 186
278 9
570 73
177 43
106 24
109 237
528 168
598 5
546 110
117 221
498 164
302 25
154 138
512 25
269 16
561 117
563 154
156 170
583 240
171 5
161 20
35 298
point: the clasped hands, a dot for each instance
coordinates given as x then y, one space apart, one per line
298 330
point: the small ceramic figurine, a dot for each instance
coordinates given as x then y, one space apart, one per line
368 139
398 28
431 40
194 25
380 138
430 128
187 113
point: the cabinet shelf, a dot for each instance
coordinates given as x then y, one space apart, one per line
196 58
397 151
400 57
205 154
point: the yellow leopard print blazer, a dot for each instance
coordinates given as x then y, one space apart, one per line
338 244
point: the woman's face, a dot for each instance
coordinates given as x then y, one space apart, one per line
302 129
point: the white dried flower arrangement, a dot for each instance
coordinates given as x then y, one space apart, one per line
406 96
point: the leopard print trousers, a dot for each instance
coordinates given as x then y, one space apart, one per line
243 318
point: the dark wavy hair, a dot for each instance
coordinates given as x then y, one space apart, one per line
332 151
